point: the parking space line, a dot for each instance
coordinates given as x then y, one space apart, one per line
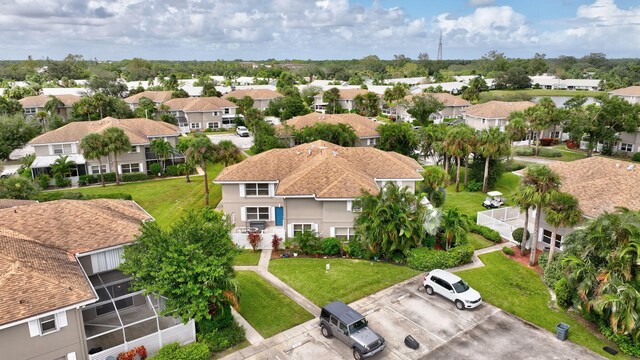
416 324
496 310
448 309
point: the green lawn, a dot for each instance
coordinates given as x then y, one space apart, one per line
268 310
478 241
567 154
471 202
347 280
519 290
249 152
166 199
248 258
489 95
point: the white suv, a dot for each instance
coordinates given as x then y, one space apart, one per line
242 131
451 287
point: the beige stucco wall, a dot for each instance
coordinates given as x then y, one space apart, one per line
17 344
562 231
232 203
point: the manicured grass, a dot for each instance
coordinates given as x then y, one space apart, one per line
471 202
488 95
478 241
249 152
567 154
166 199
248 258
519 290
268 310
347 280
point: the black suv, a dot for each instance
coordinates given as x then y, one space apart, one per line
339 320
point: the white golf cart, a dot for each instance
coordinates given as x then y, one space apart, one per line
493 200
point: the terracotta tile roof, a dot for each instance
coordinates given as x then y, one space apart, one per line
628 91
138 130
40 100
155 96
497 109
363 127
9 203
445 98
600 184
38 243
196 104
254 94
323 169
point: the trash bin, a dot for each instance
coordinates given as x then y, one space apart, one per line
410 342
562 330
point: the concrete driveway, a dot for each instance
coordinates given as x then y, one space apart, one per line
442 331
243 143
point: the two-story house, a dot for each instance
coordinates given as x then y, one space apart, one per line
261 97
454 107
366 129
346 100
198 114
493 113
308 187
631 94
158 97
65 141
61 296
35 104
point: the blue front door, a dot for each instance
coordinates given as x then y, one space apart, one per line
279 215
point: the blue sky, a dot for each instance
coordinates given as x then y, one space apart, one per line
316 29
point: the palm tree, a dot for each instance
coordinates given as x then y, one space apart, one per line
492 143
545 182
516 128
455 227
457 143
53 105
116 141
228 153
433 178
562 210
199 151
188 166
162 149
62 166
525 197
94 147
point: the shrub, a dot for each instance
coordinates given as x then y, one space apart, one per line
308 242
109 177
636 156
512 165
563 292
43 180
330 246
356 249
572 145
486 232
508 251
61 181
473 186
74 195
429 241
517 235
220 332
550 153
137 176
524 151
439 196
194 351
155 169
552 271
530 151
548 141
141 351
625 342
85 180
172 170
254 238
428 259
275 242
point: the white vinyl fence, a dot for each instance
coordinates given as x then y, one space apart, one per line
239 236
499 220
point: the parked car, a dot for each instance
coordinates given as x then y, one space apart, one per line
453 288
339 320
242 131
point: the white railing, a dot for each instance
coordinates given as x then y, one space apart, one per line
240 237
496 219
181 333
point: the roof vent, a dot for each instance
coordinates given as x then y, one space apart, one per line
631 167
335 153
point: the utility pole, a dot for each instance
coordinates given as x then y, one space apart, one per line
440 47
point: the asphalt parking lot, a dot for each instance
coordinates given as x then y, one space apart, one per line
442 331
243 143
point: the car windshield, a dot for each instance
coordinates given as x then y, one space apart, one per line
358 325
461 286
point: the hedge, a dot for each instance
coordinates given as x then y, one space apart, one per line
194 351
636 156
530 151
85 180
74 195
485 232
425 259
136 176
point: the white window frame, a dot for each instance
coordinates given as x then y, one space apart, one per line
546 238
47 319
130 168
311 227
216 113
30 111
62 148
195 126
134 149
59 319
351 232
227 111
256 187
211 125
372 141
258 213
626 147
95 169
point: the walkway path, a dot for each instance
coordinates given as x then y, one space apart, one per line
532 159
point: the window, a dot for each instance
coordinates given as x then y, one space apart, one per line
228 121
95 169
195 125
300 228
484 121
258 213
227 111
333 321
59 149
372 141
130 168
216 113
134 149
30 111
546 238
256 190
555 134
626 147
354 205
345 233
211 125
48 324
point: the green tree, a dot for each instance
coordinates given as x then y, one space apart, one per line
339 134
99 106
94 147
189 166
9 107
455 227
201 150
394 94
545 182
117 142
161 149
245 103
228 153
492 143
18 187
62 166
513 78
53 105
430 139
459 144
562 210
308 94
391 222
331 97
264 138
433 178
422 107
398 137
146 109
526 198
292 106
191 265
367 104
15 132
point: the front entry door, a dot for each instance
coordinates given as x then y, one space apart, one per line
279 215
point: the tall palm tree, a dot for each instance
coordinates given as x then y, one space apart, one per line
516 128
94 147
62 166
433 178
53 105
492 143
199 151
525 197
117 142
228 153
455 227
562 210
188 166
457 143
162 149
546 182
